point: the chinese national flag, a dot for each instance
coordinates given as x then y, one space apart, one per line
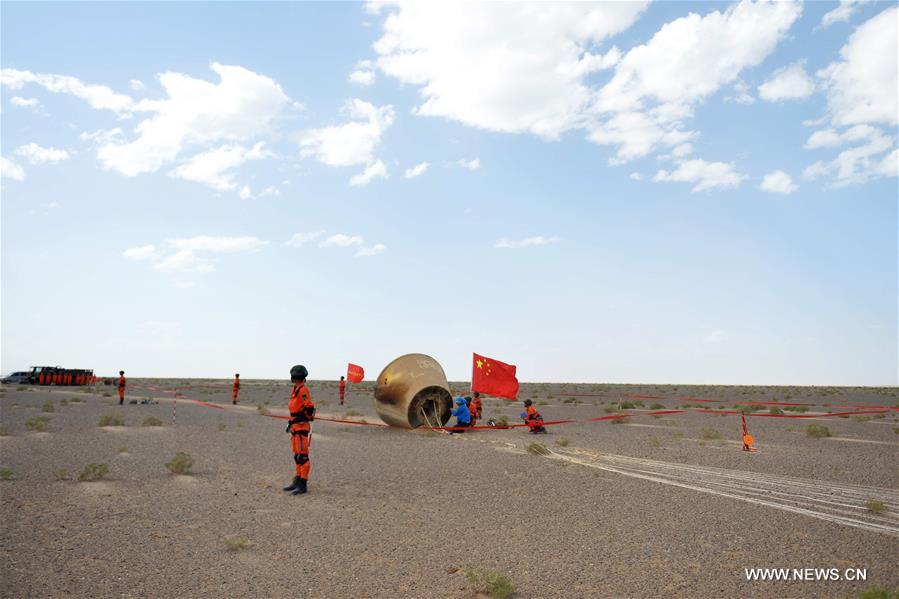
354 373
493 377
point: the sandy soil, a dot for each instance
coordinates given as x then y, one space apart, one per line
658 506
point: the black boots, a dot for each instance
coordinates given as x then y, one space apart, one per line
301 487
297 487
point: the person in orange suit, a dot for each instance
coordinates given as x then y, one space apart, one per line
235 389
302 413
341 388
41 378
532 417
121 387
476 408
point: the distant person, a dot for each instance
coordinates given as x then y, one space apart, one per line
463 416
302 413
235 389
341 388
476 408
121 387
532 418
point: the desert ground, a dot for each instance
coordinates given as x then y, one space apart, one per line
640 506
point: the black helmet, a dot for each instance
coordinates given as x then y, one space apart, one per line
528 402
299 372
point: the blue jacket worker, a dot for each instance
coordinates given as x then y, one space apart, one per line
463 416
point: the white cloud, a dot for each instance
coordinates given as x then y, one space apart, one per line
184 284
52 205
715 337
21 102
706 175
859 164
136 85
861 96
246 193
741 94
418 169
301 239
99 97
374 250
11 170
184 261
215 168
243 105
340 240
188 254
502 66
788 83
636 176
658 84
830 138
144 252
841 13
861 88
539 240
36 154
102 136
270 191
889 166
363 73
353 142
375 169
778 182
472 165
207 243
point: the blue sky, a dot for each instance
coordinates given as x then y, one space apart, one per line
625 192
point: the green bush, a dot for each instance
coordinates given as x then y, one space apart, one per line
181 463
538 449
563 442
656 406
817 431
111 420
710 433
775 410
60 474
875 506
237 543
151 421
48 406
5 474
878 593
93 472
38 423
487 582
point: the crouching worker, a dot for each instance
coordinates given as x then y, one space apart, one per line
463 416
302 413
532 418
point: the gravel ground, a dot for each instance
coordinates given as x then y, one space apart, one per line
618 510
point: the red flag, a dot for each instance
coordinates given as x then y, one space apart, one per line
354 373
493 377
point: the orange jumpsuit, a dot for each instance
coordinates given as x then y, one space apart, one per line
533 419
302 413
342 389
41 379
475 410
122 389
235 389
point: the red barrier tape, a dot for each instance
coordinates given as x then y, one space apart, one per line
870 410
